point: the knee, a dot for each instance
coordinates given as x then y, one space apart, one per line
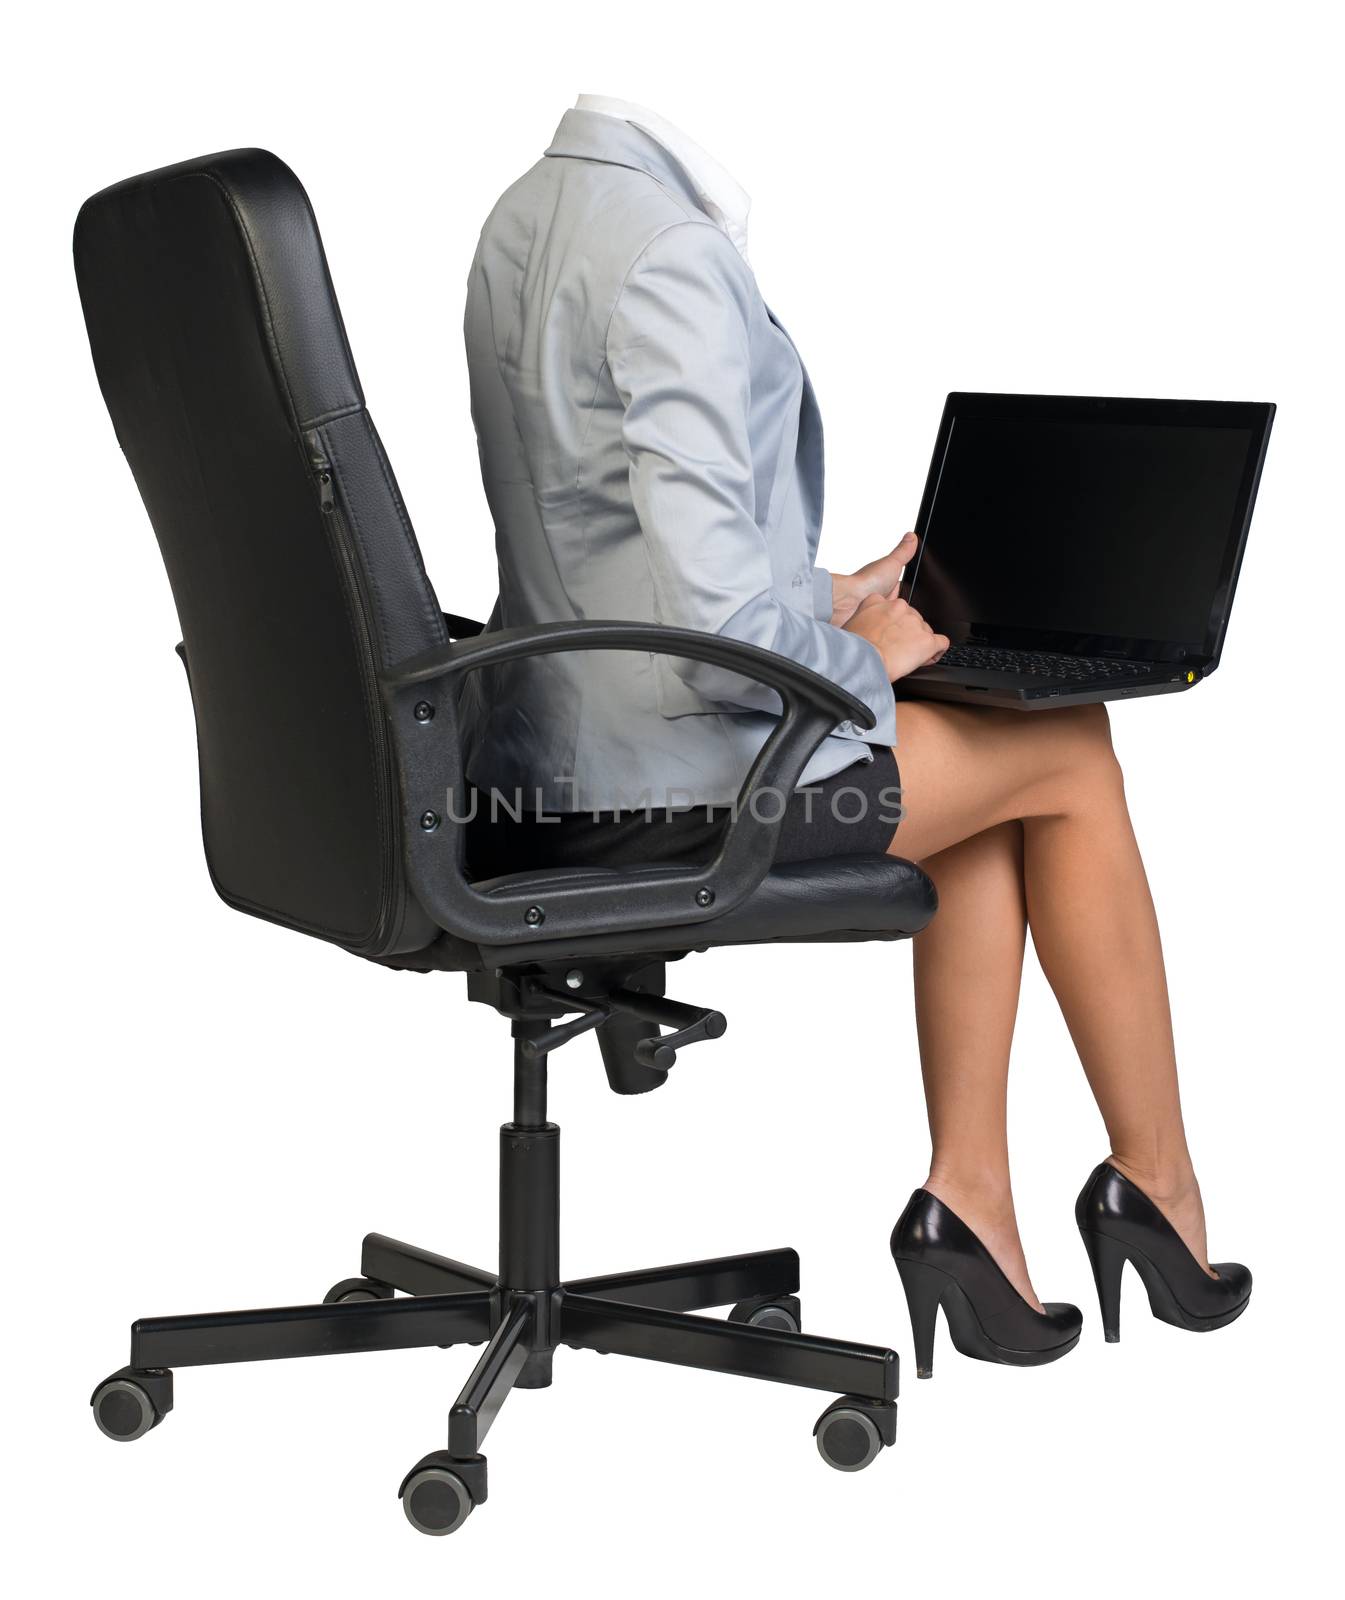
1087 760
1087 725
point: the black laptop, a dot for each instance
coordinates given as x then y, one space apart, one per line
1077 549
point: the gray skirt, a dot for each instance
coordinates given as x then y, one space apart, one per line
854 812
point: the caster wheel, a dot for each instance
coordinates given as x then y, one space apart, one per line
848 1438
438 1496
781 1314
129 1403
349 1289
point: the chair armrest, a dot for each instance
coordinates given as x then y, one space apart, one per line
434 788
551 638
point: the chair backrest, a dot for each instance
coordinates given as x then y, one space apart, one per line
221 354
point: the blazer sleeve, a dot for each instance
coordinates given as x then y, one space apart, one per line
678 348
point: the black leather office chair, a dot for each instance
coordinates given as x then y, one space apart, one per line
324 678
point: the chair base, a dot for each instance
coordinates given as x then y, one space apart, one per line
408 1298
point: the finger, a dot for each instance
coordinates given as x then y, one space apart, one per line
896 564
884 574
869 601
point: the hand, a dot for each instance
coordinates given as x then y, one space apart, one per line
899 634
880 577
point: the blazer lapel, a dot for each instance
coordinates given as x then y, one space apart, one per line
810 456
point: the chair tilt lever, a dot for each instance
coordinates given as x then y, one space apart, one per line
539 1045
691 1024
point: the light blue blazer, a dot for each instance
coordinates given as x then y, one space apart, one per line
651 451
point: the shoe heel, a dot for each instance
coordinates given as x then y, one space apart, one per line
924 1288
1107 1258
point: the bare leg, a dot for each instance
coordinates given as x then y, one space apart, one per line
968 771
974 949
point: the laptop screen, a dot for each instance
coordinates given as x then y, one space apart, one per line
1086 525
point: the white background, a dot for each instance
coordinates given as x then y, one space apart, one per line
204 1111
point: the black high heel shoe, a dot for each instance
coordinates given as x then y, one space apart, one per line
943 1263
1120 1223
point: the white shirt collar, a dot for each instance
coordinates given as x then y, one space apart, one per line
725 200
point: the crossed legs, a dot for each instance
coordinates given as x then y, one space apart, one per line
1021 821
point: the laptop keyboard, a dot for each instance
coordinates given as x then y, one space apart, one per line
1038 663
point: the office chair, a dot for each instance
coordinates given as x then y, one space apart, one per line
324 677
